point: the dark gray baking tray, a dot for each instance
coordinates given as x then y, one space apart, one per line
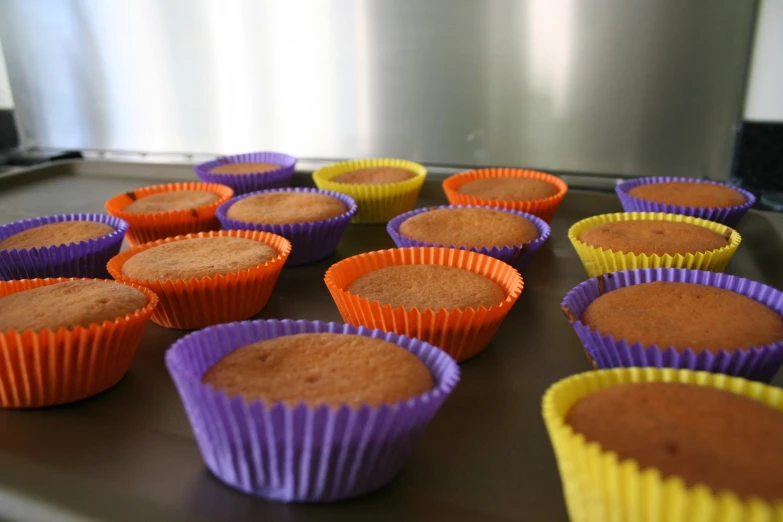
128 454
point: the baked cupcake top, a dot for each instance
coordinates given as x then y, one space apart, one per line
319 368
52 234
197 258
653 237
508 188
174 200
689 194
374 176
684 315
702 434
69 304
277 208
243 168
469 227
428 286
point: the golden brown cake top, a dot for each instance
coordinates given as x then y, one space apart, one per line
197 258
469 227
684 315
374 176
334 369
243 168
653 237
689 194
428 286
508 188
175 200
69 304
702 434
277 208
61 233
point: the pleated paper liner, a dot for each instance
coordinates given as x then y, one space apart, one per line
757 363
518 256
311 241
150 226
250 182
460 332
83 259
599 487
300 453
56 367
729 216
598 261
210 300
544 208
377 203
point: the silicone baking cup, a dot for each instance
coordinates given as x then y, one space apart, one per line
150 226
55 367
300 453
544 208
250 182
598 261
726 215
377 203
210 300
311 240
518 256
460 332
598 486
83 259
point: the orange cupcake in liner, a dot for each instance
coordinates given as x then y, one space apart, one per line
460 332
51 367
544 208
197 303
150 226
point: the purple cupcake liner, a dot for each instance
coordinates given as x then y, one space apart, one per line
311 241
83 259
300 454
244 183
757 363
728 216
518 256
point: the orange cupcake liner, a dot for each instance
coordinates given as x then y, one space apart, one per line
55 367
150 226
210 300
544 208
462 333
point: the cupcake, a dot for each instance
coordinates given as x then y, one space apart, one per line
206 278
249 172
383 188
529 191
703 199
332 410
66 245
613 242
312 220
508 235
454 299
163 211
67 339
661 445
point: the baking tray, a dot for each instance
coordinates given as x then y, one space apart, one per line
128 454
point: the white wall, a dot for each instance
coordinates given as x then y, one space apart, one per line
6 102
764 98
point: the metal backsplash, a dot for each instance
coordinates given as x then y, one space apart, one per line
605 86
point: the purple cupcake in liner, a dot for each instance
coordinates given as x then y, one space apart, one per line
518 256
311 241
729 216
244 183
83 259
301 453
758 363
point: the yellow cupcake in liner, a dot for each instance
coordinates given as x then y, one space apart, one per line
377 203
598 261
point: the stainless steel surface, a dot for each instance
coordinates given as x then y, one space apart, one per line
606 86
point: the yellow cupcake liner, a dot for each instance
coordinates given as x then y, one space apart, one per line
600 488
598 261
377 203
